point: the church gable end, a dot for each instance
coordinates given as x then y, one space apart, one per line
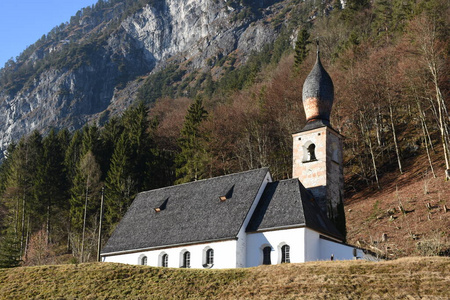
287 204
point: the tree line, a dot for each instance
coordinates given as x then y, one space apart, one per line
389 64
53 183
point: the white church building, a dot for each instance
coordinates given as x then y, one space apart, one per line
247 219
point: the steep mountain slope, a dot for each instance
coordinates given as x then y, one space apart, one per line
75 73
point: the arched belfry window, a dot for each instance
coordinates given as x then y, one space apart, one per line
266 255
309 152
285 254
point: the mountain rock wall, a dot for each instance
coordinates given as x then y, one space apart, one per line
163 32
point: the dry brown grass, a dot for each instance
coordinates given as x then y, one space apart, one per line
407 278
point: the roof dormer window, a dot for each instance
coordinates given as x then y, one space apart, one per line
162 206
227 194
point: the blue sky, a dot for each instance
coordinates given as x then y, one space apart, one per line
23 22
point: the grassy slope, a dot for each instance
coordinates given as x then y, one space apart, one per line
408 277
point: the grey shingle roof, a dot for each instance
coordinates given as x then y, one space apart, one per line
287 203
189 213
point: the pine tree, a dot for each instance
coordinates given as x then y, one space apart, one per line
192 160
90 140
51 180
109 137
73 156
118 184
10 251
139 144
301 50
132 163
20 188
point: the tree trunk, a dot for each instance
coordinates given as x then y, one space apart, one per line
22 240
84 223
425 135
394 135
48 224
369 143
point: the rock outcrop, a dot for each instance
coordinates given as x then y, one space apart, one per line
164 31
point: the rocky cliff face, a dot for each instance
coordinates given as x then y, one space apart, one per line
164 31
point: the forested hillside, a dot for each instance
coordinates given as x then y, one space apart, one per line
389 63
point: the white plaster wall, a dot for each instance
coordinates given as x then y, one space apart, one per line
224 255
294 237
339 251
241 253
312 245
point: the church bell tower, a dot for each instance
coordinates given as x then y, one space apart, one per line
317 148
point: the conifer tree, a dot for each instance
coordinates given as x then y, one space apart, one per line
118 184
72 156
139 144
191 162
51 180
10 252
19 196
130 168
301 50
90 140
109 137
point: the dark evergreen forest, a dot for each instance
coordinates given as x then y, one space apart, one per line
389 63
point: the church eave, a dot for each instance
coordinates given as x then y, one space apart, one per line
293 226
167 246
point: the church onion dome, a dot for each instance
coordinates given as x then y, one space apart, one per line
318 94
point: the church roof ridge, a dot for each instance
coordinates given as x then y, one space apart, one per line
205 179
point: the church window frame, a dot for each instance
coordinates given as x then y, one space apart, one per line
208 257
185 259
163 260
142 260
309 152
285 254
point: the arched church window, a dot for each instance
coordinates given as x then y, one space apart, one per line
186 259
266 255
285 254
144 260
165 260
210 257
